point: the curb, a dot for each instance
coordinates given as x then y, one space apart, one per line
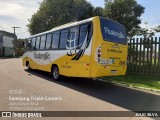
149 90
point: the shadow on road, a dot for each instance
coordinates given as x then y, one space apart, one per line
133 100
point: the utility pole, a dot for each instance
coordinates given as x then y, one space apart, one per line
15 29
15 41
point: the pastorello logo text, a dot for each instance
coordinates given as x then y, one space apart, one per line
44 56
114 33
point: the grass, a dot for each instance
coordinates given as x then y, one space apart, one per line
151 82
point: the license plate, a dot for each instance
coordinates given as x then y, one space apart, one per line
113 71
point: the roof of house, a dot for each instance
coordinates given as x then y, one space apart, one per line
7 34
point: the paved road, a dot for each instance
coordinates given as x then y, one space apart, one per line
74 94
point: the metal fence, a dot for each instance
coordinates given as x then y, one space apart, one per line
144 56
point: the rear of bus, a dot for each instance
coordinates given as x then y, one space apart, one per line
110 48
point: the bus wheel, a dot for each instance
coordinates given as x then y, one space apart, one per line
28 66
55 73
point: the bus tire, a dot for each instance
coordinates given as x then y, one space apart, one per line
55 73
28 66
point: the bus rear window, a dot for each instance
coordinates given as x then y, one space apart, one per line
113 31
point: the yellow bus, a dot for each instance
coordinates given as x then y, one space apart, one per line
90 48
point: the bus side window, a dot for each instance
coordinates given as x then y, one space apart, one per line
42 44
73 37
33 43
55 40
83 32
63 39
90 31
37 43
48 41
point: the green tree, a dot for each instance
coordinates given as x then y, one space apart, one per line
157 28
98 11
19 47
53 13
126 12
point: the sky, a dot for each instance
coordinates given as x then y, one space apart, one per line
16 13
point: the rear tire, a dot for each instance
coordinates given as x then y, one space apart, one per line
55 73
28 67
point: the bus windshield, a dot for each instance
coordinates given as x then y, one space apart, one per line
113 31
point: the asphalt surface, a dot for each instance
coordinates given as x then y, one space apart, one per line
77 94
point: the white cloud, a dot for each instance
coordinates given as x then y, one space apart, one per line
9 8
17 13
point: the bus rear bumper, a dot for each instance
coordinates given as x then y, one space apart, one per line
110 71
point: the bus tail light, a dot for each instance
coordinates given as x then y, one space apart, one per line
98 54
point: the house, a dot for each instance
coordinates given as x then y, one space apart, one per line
6 43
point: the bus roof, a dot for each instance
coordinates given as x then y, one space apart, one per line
64 26
72 24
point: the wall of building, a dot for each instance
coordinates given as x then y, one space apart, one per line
8 42
8 51
1 45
